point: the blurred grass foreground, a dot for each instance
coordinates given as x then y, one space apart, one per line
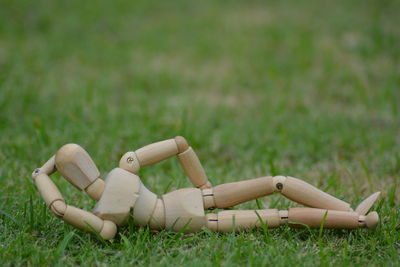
302 88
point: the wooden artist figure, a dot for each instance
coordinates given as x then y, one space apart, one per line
123 193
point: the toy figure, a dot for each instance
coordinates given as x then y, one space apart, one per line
183 209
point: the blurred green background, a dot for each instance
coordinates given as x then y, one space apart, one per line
302 88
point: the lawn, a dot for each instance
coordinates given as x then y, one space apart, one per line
309 89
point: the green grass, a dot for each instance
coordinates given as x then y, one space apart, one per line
302 88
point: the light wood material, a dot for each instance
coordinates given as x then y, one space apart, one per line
130 162
49 167
283 216
80 219
75 164
231 194
157 220
372 220
119 196
156 152
364 206
87 221
313 218
246 219
144 206
58 207
123 191
278 182
208 198
181 143
207 185
109 230
47 189
96 189
192 167
304 193
50 194
212 222
184 206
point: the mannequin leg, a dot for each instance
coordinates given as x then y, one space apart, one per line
226 221
231 194
308 195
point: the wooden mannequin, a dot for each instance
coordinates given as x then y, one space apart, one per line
123 191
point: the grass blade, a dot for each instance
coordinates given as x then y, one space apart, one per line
63 245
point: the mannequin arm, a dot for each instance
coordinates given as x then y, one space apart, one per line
48 168
156 152
78 218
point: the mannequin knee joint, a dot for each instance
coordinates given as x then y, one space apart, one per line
181 143
278 182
